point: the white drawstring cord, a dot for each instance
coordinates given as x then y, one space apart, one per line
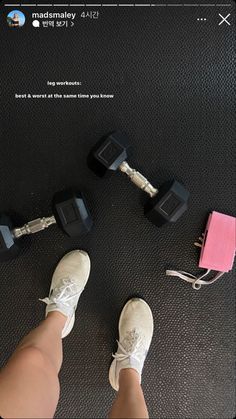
196 282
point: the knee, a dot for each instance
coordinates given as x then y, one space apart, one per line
29 374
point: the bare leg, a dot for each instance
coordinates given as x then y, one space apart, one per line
135 335
29 385
130 402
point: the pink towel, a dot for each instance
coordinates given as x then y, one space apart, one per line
218 250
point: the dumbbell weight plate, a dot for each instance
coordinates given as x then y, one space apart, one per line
108 154
168 205
71 213
8 248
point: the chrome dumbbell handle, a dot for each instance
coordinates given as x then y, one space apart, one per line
138 179
33 226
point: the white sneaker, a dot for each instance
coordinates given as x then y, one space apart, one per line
135 336
68 282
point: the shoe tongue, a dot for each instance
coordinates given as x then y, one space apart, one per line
66 290
130 340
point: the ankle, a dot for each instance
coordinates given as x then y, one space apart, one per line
128 378
57 318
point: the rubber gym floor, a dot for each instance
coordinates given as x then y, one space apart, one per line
172 79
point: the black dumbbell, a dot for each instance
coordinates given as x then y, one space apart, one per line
166 204
70 213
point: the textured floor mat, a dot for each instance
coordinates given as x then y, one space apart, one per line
172 79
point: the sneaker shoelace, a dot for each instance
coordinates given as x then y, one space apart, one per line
63 294
131 347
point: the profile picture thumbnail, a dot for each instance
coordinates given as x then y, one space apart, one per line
15 19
